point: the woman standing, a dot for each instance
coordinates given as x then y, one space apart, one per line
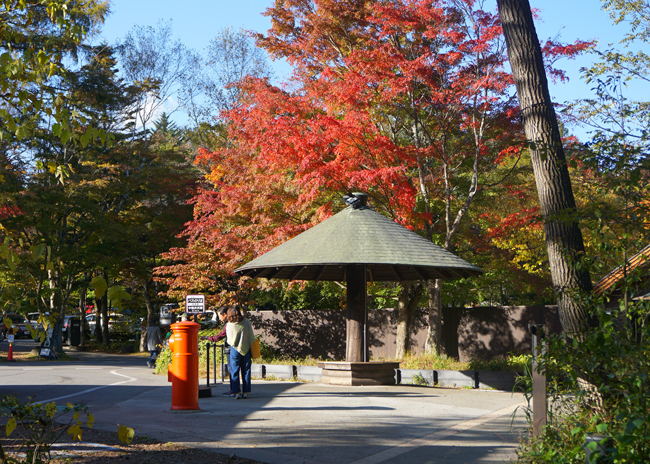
240 337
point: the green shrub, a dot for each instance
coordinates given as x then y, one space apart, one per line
163 360
419 380
605 373
165 356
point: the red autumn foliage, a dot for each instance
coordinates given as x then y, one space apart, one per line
406 100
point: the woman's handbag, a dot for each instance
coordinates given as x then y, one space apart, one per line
255 349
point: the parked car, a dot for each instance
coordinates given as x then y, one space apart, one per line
117 323
19 325
33 319
91 320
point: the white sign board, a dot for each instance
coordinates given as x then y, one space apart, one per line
10 338
195 304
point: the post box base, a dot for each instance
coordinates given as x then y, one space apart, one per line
185 408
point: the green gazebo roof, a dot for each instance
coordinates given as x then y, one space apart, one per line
359 236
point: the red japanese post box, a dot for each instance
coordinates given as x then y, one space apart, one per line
184 371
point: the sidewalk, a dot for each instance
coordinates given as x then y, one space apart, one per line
286 422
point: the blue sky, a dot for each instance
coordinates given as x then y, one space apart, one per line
195 23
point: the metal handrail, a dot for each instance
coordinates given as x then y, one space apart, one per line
213 346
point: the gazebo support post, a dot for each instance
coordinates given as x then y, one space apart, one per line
357 319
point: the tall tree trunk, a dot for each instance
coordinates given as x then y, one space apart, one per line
105 334
98 318
151 313
55 306
82 313
563 237
409 298
433 344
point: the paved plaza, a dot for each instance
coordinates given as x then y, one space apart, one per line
287 422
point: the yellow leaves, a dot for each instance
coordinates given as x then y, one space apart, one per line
116 294
11 426
99 285
125 434
42 57
37 251
75 432
216 174
8 322
526 248
34 333
13 260
50 410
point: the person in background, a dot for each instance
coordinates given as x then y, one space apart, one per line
154 342
240 337
223 317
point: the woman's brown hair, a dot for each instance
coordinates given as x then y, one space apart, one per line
234 314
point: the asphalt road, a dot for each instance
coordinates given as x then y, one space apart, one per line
92 379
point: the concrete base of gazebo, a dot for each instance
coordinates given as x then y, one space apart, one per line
358 373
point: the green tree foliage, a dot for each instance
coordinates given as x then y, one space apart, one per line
37 37
122 201
605 370
613 167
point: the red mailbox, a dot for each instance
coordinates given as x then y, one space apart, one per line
169 366
184 370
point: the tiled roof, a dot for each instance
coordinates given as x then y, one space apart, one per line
359 236
642 258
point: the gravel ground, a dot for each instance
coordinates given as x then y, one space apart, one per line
140 450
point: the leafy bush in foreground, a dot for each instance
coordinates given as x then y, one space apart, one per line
606 374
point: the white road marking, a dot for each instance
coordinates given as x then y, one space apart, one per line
131 379
37 368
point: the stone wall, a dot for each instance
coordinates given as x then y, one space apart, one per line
467 332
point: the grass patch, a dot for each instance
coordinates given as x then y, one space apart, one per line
308 361
511 363
432 362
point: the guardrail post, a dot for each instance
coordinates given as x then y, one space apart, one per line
537 332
